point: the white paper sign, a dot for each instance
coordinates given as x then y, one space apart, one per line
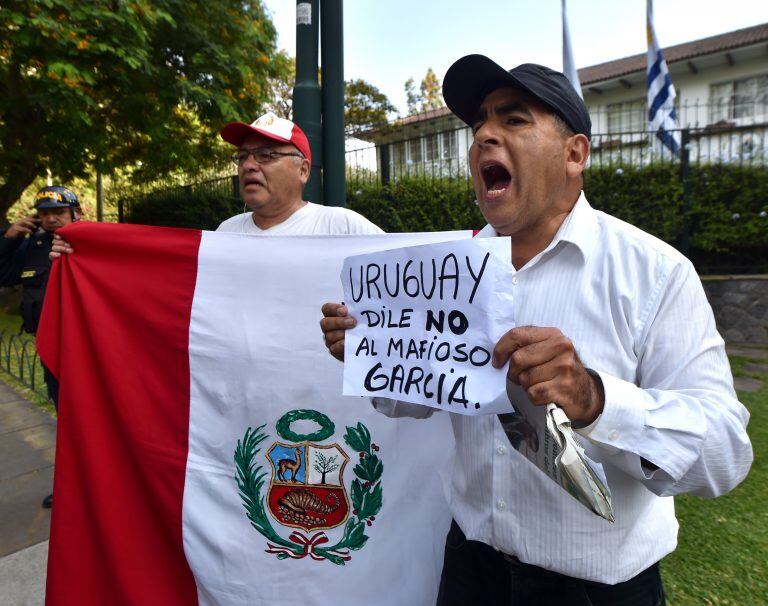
428 318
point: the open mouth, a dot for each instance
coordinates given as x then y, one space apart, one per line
496 178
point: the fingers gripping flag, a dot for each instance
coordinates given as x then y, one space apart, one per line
661 93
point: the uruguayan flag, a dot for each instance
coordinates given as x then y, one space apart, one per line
661 93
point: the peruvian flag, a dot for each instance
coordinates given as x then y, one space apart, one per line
205 454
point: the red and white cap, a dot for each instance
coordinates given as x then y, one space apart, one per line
271 126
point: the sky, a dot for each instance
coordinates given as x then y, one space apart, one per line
388 41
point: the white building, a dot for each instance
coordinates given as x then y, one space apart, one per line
721 83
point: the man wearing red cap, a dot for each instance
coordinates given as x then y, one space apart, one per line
273 161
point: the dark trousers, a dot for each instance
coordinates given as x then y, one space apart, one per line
53 386
475 574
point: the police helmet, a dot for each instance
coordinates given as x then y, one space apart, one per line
55 196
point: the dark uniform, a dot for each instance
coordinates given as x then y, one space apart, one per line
25 261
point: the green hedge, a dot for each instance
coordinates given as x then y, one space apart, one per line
727 232
198 207
418 204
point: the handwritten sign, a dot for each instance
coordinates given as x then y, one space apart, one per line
428 318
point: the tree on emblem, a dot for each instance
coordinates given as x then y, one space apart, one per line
325 465
366 494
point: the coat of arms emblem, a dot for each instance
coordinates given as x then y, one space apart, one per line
306 489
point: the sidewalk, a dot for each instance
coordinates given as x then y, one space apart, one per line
27 443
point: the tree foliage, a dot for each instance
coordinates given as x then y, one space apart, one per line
429 95
431 91
412 98
106 84
281 87
365 105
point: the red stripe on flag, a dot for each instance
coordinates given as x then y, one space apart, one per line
115 329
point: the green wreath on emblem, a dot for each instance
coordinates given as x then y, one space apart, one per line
366 492
283 426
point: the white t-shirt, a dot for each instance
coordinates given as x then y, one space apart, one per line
310 220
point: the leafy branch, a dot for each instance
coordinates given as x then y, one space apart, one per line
366 493
250 481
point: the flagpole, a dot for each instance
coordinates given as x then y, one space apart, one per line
569 65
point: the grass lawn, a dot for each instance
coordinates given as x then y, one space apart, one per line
722 557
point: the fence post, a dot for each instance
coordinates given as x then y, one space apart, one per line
236 187
99 198
685 205
384 159
120 212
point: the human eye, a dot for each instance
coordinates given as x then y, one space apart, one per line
264 155
515 119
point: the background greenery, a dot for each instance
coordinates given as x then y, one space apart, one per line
724 212
136 87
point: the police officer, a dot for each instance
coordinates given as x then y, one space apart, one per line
25 260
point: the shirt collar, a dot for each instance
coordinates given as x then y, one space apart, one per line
579 228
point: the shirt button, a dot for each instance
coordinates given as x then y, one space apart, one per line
501 449
514 280
501 504
613 435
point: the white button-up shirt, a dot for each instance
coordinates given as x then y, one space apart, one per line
637 314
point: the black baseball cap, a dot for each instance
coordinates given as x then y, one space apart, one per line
470 79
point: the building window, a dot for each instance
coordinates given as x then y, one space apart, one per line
397 159
414 151
744 100
450 145
431 149
628 116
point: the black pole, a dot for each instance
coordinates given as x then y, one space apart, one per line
685 205
306 93
384 160
99 198
332 51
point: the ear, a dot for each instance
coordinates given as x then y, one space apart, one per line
577 152
304 171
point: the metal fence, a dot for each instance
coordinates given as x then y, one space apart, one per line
444 154
19 358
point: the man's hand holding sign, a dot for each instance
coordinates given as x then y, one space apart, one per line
430 325
542 361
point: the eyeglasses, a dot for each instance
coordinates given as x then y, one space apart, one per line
262 155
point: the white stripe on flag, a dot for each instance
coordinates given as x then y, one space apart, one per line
256 353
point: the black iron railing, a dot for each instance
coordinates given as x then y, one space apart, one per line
19 358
